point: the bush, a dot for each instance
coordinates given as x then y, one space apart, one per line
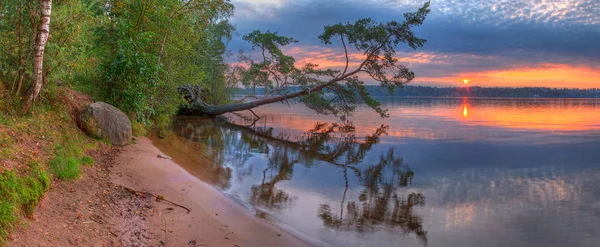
138 129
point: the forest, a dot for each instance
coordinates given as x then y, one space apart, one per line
129 53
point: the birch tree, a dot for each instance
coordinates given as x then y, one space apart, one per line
38 58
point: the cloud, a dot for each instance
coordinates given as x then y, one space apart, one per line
330 58
464 36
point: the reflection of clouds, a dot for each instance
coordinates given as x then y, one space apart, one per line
522 114
501 196
542 186
460 215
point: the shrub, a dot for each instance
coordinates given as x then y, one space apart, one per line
138 129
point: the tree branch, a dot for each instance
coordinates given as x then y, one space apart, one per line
346 53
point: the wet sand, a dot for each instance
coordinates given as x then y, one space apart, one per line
214 220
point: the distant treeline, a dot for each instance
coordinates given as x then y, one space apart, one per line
473 91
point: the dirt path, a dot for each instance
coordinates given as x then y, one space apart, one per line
96 211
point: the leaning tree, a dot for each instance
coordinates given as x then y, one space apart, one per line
275 78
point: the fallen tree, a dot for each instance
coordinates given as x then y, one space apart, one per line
274 77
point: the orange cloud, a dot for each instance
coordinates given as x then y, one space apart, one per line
545 75
329 58
542 75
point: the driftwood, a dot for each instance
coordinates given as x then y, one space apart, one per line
158 197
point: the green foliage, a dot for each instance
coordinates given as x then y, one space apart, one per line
20 194
130 53
150 48
17 25
132 77
138 129
68 57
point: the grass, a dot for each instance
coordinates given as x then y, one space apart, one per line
20 192
87 160
49 142
68 158
65 168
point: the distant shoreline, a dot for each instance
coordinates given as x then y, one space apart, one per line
459 92
239 96
461 98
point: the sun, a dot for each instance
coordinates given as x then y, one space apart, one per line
466 81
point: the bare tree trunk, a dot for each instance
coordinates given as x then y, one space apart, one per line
198 107
38 59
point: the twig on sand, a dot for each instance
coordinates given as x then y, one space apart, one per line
158 197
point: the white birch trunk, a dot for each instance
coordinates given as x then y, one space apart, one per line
38 59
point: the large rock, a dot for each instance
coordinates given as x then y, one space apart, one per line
102 120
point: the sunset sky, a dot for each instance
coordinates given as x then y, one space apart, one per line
549 43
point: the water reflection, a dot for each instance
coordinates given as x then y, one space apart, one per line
379 205
465 111
473 119
437 173
279 168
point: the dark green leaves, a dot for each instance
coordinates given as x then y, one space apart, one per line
268 44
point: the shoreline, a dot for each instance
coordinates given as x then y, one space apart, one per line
214 220
98 209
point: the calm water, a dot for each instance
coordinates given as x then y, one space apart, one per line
438 172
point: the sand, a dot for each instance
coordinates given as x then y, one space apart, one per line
214 220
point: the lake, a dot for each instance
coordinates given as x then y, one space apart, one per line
437 172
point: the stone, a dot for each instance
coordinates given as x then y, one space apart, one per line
101 120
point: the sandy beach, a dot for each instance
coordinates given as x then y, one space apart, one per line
214 220
75 215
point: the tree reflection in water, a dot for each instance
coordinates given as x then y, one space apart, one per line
379 204
265 194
